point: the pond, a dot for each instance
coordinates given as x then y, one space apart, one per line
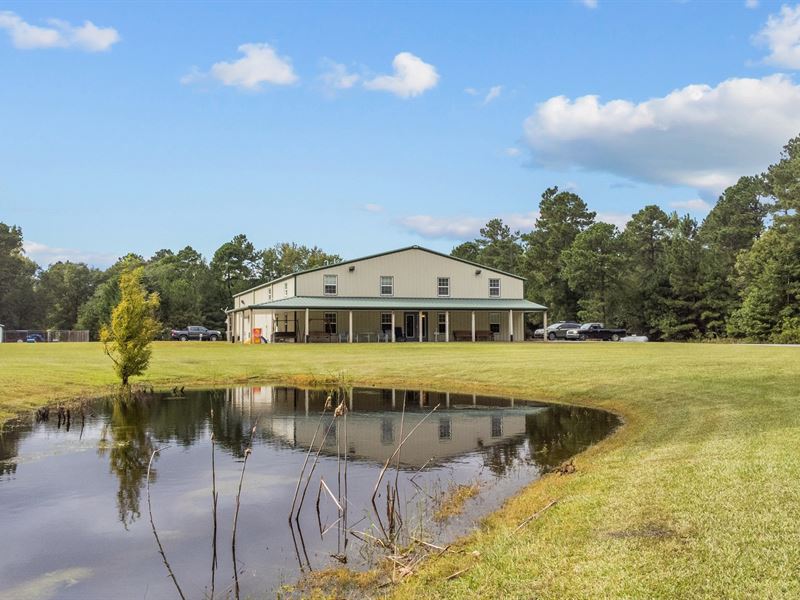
74 496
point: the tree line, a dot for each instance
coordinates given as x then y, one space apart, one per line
192 290
734 275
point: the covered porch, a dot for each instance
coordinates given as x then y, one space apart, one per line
382 320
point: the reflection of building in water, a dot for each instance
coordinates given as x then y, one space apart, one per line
292 415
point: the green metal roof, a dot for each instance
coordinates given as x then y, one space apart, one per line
345 303
352 260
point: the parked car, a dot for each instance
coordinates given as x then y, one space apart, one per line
595 331
34 337
195 332
556 330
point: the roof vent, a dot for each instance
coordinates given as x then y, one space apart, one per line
352 268
477 271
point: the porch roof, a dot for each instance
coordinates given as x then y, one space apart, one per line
392 303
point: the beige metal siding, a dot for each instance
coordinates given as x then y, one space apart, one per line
280 290
415 275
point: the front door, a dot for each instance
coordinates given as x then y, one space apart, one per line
411 326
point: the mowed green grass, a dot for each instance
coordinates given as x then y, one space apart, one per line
697 495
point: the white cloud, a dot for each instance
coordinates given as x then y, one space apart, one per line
412 77
589 3
494 94
45 255
88 37
337 77
372 207
781 35
462 227
751 3
694 205
512 151
260 64
471 91
454 228
618 219
699 136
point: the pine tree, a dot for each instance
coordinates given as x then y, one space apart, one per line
128 339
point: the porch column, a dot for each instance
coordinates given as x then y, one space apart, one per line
473 325
420 326
306 402
305 331
394 398
393 340
447 326
545 326
350 327
510 325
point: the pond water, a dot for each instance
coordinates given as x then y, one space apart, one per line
74 519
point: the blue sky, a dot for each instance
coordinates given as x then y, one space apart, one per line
360 127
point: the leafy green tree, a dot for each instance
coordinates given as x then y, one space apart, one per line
180 280
286 258
562 216
237 265
592 267
768 274
63 288
470 251
645 279
681 317
500 247
96 311
128 339
735 222
18 307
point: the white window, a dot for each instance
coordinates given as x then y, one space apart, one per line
387 285
329 321
443 286
494 288
329 285
494 322
442 323
386 322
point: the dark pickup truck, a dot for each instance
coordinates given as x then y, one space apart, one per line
195 332
595 331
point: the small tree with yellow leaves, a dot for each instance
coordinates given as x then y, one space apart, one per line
127 340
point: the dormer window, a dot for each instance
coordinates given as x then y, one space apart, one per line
329 285
494 288
387 285
443 286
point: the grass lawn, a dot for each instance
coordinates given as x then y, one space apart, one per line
698 495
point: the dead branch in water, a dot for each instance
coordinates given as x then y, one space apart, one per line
153 525
535 515
314 464
247 453
397 450
214 498
308 454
